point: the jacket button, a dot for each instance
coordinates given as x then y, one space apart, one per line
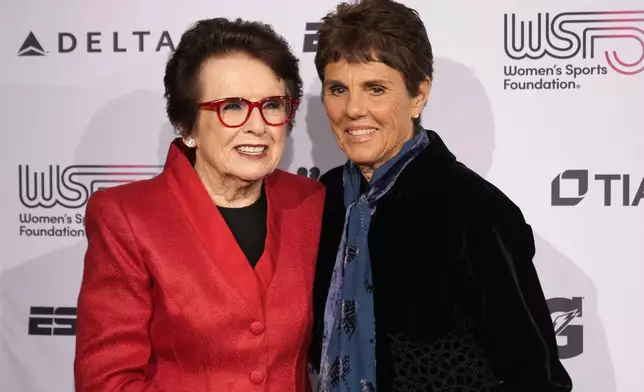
257 328
256 377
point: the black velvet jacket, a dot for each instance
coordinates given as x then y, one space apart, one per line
458 303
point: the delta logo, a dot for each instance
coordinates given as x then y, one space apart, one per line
140 41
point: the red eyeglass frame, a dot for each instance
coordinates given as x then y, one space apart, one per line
216 105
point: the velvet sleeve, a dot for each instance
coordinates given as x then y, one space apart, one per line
516 319
114 305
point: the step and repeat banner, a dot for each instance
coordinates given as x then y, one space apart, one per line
544 99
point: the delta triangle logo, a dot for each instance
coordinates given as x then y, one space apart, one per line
31 47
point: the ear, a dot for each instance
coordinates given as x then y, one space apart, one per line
420 100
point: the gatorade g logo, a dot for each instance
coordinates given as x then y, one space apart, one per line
570 337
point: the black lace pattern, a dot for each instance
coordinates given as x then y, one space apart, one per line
455 363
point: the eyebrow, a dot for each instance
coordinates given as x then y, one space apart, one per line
329 83
368 83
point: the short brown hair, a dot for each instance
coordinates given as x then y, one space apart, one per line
377 30
219 36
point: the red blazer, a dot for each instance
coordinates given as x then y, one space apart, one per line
168 301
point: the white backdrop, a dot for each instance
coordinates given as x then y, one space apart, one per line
568 152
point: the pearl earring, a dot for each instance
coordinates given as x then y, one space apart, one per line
190 142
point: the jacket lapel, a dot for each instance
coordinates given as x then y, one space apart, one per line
213 232
267 265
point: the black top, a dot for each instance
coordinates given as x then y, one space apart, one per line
457 300
248 225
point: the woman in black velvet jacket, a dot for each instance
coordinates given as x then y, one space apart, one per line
425 279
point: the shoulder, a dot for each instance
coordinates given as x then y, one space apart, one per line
464 192
130 196
332 182
487 211
493 203
333 177
476 190
460 187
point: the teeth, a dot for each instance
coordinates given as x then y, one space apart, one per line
362 132
251 149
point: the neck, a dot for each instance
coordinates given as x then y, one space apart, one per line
367 171
228 191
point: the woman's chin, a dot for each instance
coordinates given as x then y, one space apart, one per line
363 158
252 174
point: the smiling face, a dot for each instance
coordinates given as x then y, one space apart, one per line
249 152
370 110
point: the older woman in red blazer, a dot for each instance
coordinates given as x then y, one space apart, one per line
200 279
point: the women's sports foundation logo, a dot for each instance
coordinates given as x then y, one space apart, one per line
573 35
54 198
71 186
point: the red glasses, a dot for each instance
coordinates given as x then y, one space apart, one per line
234 112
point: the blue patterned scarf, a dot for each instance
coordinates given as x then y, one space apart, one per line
348 360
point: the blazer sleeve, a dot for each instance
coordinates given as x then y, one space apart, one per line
517 322
114 305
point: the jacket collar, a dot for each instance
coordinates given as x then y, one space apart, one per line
211 230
